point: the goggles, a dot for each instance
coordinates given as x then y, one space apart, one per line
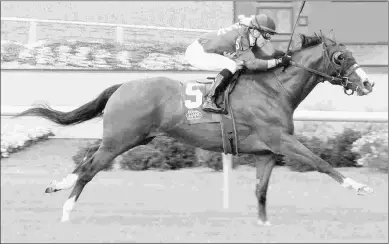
257 32
266 35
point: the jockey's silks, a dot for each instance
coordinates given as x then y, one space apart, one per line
234 38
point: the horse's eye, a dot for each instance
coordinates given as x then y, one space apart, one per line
338 57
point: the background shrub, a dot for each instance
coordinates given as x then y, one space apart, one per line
175 155
215 161
341 154
345 149
372 150
336 150
10 51
141 158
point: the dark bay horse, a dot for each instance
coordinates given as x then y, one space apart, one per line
137 111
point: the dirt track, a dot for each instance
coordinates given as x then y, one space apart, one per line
183 206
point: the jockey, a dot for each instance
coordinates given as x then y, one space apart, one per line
229 49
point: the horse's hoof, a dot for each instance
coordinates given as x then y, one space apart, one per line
51 188
64 220
364 190
263 223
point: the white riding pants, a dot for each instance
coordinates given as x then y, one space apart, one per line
198 58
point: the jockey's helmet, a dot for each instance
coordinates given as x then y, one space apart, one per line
263 23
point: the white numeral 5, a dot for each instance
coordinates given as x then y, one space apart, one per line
193 92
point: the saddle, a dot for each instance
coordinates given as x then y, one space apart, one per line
222 98
227 122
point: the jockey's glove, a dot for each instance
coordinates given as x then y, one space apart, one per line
284 61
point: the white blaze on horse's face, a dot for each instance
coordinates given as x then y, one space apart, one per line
365 86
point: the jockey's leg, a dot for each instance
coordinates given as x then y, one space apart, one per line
221 82
197 57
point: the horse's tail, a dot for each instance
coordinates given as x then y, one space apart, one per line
86 112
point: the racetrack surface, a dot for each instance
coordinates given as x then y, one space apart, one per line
184 205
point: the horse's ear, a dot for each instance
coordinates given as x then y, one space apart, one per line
332 35
323 37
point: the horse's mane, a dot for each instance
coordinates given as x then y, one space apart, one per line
308 41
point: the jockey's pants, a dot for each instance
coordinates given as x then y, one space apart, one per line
198 58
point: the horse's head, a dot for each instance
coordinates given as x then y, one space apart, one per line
342 65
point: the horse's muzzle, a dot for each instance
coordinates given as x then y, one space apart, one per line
368 86
366 89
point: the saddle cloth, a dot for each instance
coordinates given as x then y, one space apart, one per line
195 92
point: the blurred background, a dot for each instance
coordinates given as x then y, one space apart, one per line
52 49
66 52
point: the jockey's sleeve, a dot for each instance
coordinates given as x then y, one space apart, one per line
260 64
245 55
253 63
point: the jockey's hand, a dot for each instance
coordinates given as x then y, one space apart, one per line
230 55
284 61
239 64
278 54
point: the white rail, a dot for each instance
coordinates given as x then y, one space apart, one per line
334 116
119 27
341 116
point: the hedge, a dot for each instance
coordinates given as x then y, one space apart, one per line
64 54
14 139
349 148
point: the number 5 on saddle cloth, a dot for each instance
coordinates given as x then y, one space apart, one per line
195 92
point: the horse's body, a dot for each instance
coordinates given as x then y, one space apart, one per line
137 111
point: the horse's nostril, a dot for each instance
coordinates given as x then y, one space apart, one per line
368 85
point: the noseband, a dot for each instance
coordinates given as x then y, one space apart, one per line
335 80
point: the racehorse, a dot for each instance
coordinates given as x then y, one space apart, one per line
137 111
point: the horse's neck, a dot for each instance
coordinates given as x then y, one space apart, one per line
299 82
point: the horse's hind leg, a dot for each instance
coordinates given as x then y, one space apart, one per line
265 166
84 173
116 140
69 181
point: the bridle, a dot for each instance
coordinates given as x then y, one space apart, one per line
335 80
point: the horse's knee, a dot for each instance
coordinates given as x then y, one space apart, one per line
84 178
261 196
324 169
260 192
262 199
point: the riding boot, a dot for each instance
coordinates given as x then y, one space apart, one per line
221 82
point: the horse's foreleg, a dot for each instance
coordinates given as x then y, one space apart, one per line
292 148
265 166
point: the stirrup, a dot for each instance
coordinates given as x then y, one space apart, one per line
221 111
216 109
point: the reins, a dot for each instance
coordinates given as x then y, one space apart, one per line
338 80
